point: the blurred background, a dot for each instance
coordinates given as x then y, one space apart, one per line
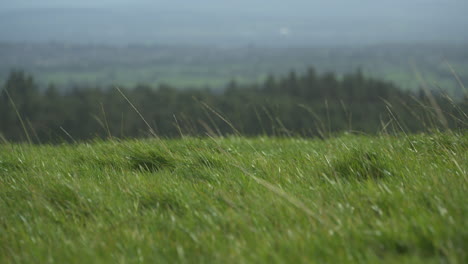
208 42
214 45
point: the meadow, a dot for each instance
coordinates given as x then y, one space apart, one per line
346 199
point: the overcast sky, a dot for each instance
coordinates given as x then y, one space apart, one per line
256 4
246 20
438 9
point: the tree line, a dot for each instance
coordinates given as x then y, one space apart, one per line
306 105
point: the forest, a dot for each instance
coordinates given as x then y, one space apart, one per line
308 104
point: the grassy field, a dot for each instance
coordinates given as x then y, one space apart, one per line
348 199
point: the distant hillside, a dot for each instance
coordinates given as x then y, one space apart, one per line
199 66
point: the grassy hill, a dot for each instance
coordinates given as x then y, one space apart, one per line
349 199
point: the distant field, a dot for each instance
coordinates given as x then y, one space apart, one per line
349 199
202 66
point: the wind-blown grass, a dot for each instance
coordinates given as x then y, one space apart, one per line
350 199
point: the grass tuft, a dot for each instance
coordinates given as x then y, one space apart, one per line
438 143
156 201
10 165
361 165
67 200
151 161
209 162
417 243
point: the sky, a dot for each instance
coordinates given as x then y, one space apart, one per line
240 21
106 3
265 7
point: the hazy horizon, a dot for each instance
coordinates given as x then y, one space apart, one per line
242 22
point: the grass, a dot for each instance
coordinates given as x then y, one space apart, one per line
349 199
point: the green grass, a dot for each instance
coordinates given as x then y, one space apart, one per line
349 199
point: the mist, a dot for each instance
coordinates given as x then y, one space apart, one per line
208 22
